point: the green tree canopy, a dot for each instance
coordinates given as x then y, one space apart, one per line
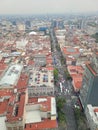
55 73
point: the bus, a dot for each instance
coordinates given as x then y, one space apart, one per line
61 87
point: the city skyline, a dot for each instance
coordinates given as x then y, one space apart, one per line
47 6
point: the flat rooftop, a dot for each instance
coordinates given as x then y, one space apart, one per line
2 123
41 78
11 75
38 106
33 116
68 50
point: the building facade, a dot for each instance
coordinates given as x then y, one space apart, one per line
92 116
88 92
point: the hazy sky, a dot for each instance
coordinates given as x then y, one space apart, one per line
46 6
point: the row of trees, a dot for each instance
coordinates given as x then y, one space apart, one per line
80 119
56 72
61 114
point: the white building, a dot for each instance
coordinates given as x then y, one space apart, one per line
92 117
11 76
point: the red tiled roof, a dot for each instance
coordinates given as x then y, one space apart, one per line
96 110
3 66
76 73
12 104
75 69
46 105
22 82
77 82
49 67
49 58
3 106
45 124
5 93
67 52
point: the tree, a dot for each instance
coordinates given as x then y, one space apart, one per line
80 119
55 74
68 75
60 102
58 47
61 115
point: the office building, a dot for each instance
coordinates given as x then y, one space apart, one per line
89 90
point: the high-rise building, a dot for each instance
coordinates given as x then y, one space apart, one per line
89 90
58 24
28 24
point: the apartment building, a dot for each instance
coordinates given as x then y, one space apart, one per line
88 92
